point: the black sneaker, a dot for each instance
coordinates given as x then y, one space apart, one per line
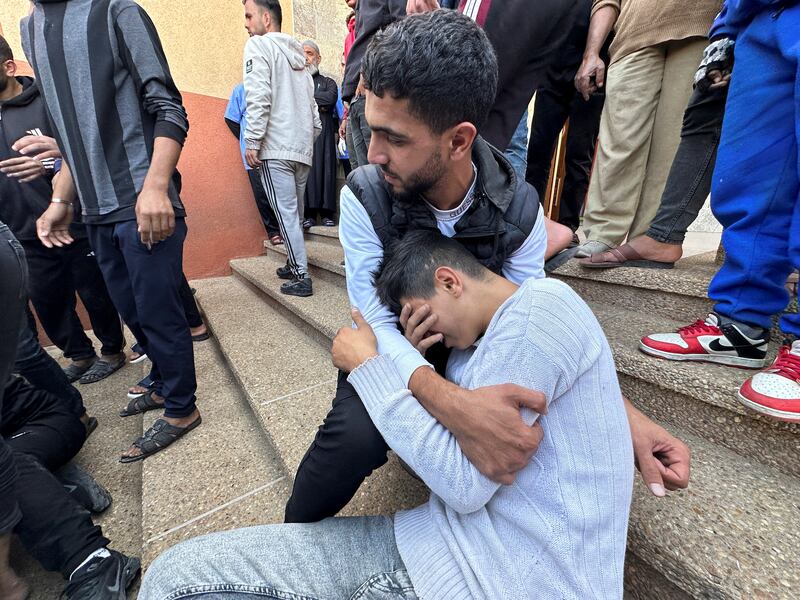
284 272
83 488
298 287
103 578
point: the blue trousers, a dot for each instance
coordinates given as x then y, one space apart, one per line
756 182
144 285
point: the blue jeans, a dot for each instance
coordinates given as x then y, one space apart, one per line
757 181
42 371
517 151
351 558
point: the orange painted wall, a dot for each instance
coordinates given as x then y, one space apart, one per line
222 216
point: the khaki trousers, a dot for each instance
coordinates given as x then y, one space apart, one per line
646 95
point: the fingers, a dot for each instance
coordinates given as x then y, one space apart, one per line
429 341
404 315
651 473
420 331
600 74
43 232
358 318
526 398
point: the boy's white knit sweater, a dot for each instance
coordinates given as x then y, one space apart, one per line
560 530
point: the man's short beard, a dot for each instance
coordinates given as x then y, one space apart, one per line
421 182
313 69
4 81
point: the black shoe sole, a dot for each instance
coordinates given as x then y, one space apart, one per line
298 294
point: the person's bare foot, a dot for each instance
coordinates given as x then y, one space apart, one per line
650 249
137 389
133 451
559 237
202 329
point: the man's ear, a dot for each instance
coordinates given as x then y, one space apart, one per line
462 136
10 68
449 280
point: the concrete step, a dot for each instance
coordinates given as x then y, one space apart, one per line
679 293
731 535
289 382
694 396
222 475
698 397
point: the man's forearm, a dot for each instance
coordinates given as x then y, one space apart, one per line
166 153
435 394
599 27
63 184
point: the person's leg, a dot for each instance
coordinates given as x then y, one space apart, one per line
632 91
36 423
346 450
190 307
550 113
155 277
517 151
353 557
91 288
360 132
42 371
755 186
278 179
351 145
682 58
52 294
262 203
584 124
14 275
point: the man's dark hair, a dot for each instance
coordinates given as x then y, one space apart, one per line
5 50
274 8
441 61
409 266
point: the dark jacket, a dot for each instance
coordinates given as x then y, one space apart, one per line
371 17
22 203
501 218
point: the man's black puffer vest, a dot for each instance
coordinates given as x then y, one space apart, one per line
501 218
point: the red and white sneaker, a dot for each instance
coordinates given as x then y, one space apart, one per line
709 341
775 391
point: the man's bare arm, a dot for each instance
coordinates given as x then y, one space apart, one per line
592 72
154 213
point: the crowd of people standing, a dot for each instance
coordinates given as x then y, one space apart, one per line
494 384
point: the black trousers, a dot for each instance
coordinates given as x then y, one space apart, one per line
145 285
55 275
262 203
190 307
346 450
689 180
554 104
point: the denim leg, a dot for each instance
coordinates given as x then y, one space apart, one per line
353 557
42 371
689 180
517 151
755 187
360 132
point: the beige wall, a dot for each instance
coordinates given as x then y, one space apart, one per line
204 44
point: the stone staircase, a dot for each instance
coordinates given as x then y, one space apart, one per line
734 533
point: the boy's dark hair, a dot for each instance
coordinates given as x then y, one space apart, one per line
409 266
441 61
274 8
5 50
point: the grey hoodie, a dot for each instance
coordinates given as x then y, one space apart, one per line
282 117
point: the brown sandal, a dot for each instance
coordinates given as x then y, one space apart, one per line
623 256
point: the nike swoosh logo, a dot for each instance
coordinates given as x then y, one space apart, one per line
717 346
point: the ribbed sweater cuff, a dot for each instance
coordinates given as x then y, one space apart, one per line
375 380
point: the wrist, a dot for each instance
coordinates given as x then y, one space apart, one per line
57 200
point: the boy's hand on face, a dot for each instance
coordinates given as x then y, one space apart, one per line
491 432
417 324
352 347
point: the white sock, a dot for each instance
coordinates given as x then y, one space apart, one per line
101 553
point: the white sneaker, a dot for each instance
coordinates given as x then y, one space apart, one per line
775 391
591 247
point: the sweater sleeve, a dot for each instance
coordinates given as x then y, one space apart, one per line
258 94
141 53
419 439
598 4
